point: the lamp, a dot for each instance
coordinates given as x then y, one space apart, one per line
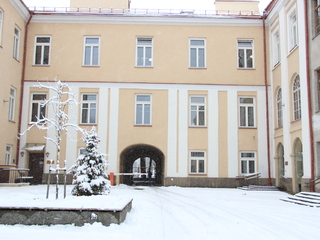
47 154
22 153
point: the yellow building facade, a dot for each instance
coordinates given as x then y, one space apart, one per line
188 97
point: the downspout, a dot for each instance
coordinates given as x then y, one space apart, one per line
22 83
267 95
309 92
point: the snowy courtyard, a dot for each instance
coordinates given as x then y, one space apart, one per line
172 213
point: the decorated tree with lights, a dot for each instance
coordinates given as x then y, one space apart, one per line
89 176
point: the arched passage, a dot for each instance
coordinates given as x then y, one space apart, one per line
298 159
142 151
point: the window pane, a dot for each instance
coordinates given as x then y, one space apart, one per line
144 98
84 115
197 42
201 57
197 154
46 55
245 43
241 58
148 56
38 55
92 115
201 118
247 155
139 114
34 112
197 99
43 40
140 56
87 55
201 166
249 58
193 166
144 41
242 116
147 114
193 118
92 40
38 97
246 100
244 167
251 167
193 57
95 56
42 112
250 117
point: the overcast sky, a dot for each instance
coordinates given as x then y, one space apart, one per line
151 4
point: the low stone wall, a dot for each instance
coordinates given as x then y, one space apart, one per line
52 216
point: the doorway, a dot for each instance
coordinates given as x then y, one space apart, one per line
36 161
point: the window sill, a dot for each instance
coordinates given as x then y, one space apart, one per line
12 121
197 126
247 127
16 59
276 65
197 68
143 67
292 49
88 124
90 66
41 65
137 125
246 68
198 174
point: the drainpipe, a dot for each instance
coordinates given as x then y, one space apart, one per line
267 95
309 92
22 83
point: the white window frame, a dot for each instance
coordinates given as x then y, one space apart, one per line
91 56
246 50
42 46
247 160
316 17
197 48
198 108
16 42
247 107
12 98
276 48
196 158
144 104
8 158
144 61
92 105
296 97
279 108
39 107
1 25
293 30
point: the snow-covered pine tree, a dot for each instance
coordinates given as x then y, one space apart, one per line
89 176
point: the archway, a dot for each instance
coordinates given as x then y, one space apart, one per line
280 164
142 159
298 160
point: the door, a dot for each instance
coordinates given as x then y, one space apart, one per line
36 167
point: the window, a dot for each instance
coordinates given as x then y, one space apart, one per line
197 162
247 162
89 109
197 111
245 53
16 43
318 89
293 33
316 6
143 110
296 98
38 110
8 154
1 24
279 108
91 51
197 53
247 112
42 51
11 104
144 52
276 48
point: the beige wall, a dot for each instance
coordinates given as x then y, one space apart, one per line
100 3
10 78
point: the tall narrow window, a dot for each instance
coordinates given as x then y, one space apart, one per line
144 52
1 24
293 31
89 109
197 111
247 114
245 53
197 53
11 104
279 108
143 109
42 51
316 13
8 154
197 162
38 110
248 164
276 48
16 43
296 98
91 51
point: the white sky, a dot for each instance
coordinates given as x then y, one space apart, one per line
151 4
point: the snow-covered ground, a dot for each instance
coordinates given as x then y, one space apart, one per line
173 213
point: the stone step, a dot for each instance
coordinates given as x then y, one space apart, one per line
259 188
300 202
303 199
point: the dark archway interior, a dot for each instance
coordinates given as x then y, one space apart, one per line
131 153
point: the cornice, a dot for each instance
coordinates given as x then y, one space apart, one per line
21 9
147 20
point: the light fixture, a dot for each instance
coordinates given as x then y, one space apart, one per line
47 154
22 153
